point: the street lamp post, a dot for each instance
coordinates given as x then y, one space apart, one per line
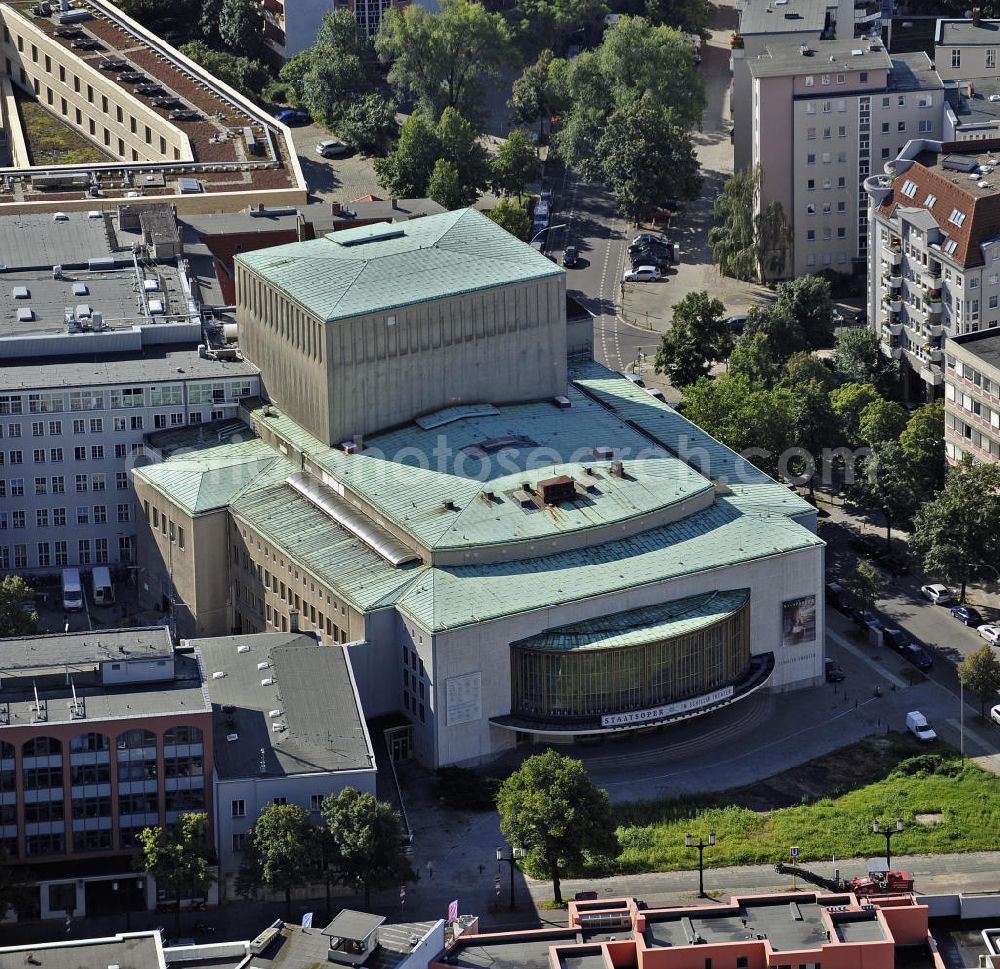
546 229
511 859
887 832
701 846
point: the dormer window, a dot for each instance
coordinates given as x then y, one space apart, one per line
909 188
957 217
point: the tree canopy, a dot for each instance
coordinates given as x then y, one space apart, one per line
807 301
923 439
366 844
849 402
696 339
537 94
180 857
888 485
279 853
551 808
17 617
858 359
515 165
957 532
442 60
881 421
248 76
241 27
369 124
980 673
554 23
513 217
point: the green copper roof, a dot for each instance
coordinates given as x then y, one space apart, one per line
637 626
375 268
207 476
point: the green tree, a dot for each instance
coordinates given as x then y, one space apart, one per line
551 808
754 359
445 185
957 532
813 428
882 420
241 27
536 94
755 421
208 22
369 124
340 32
515 165
751 238
689 16
804 368
246 75
888 486
366 841
280 852
332 83
180 857
293 74
15 594
858 359
867 583
407 169
645 156
807 300
923 438
849 402
554 23
442 60
980 673
460 145
783 331
697 338
512 217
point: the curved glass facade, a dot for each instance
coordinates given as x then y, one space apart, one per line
592 680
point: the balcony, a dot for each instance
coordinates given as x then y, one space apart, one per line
932 376
934 354
894 327
896 352
894 305
935 330
932 273
933 306
893 254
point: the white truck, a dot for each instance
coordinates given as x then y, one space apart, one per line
72 590
917 724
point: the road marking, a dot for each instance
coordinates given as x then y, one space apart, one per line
900 683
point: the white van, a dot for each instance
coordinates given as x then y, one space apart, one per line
72 590
917 724
104 590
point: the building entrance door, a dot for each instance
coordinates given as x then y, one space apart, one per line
400 744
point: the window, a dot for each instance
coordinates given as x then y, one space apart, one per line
841 206
841 78
950 247
81 482
41 486
58 483
121 450
957 217
120 424
97 452
811 184
827 132
316 802
239 808
84 551
239 840
841 233
121 480
863 78
901 126
279 801
811 134
55 427
83 515
930 200
909 188
42 518
810 107
810 80
885 127
925 124
810 159
956 58
842 131
824 79
901 101
58 517
827 107
100 514
991 57
79 454
127 397
124 512
810 235
62 556
38 455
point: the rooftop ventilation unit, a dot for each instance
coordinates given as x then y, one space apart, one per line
488 496
349 447
232 737
273 713
20 292
277 727
524 498
81 289
263 666
57 272
60 217
562 402
558 489
449 505
618 469
25 314
267 681
603 453
243 649
218 674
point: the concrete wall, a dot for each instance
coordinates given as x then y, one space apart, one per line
484 648
972 60
357 376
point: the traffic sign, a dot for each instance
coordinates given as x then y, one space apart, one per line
794 852
496 884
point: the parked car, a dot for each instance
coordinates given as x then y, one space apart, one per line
834 674
634 378
641 274
918 656
967 615
645 237
938 594
917 724
292 116
659 263
895 638
990 633
332 148
866 619
737 323
657 393
866 545
570 257
836 596
995 714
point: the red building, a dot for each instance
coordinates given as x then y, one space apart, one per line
101 734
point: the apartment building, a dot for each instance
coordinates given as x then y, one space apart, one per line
163 127
934 253
99 346
289 729
825 114
290 26
101 735
972 396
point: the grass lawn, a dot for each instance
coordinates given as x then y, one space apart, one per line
829 809
51 141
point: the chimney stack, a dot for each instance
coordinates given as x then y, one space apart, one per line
394 203
335 208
